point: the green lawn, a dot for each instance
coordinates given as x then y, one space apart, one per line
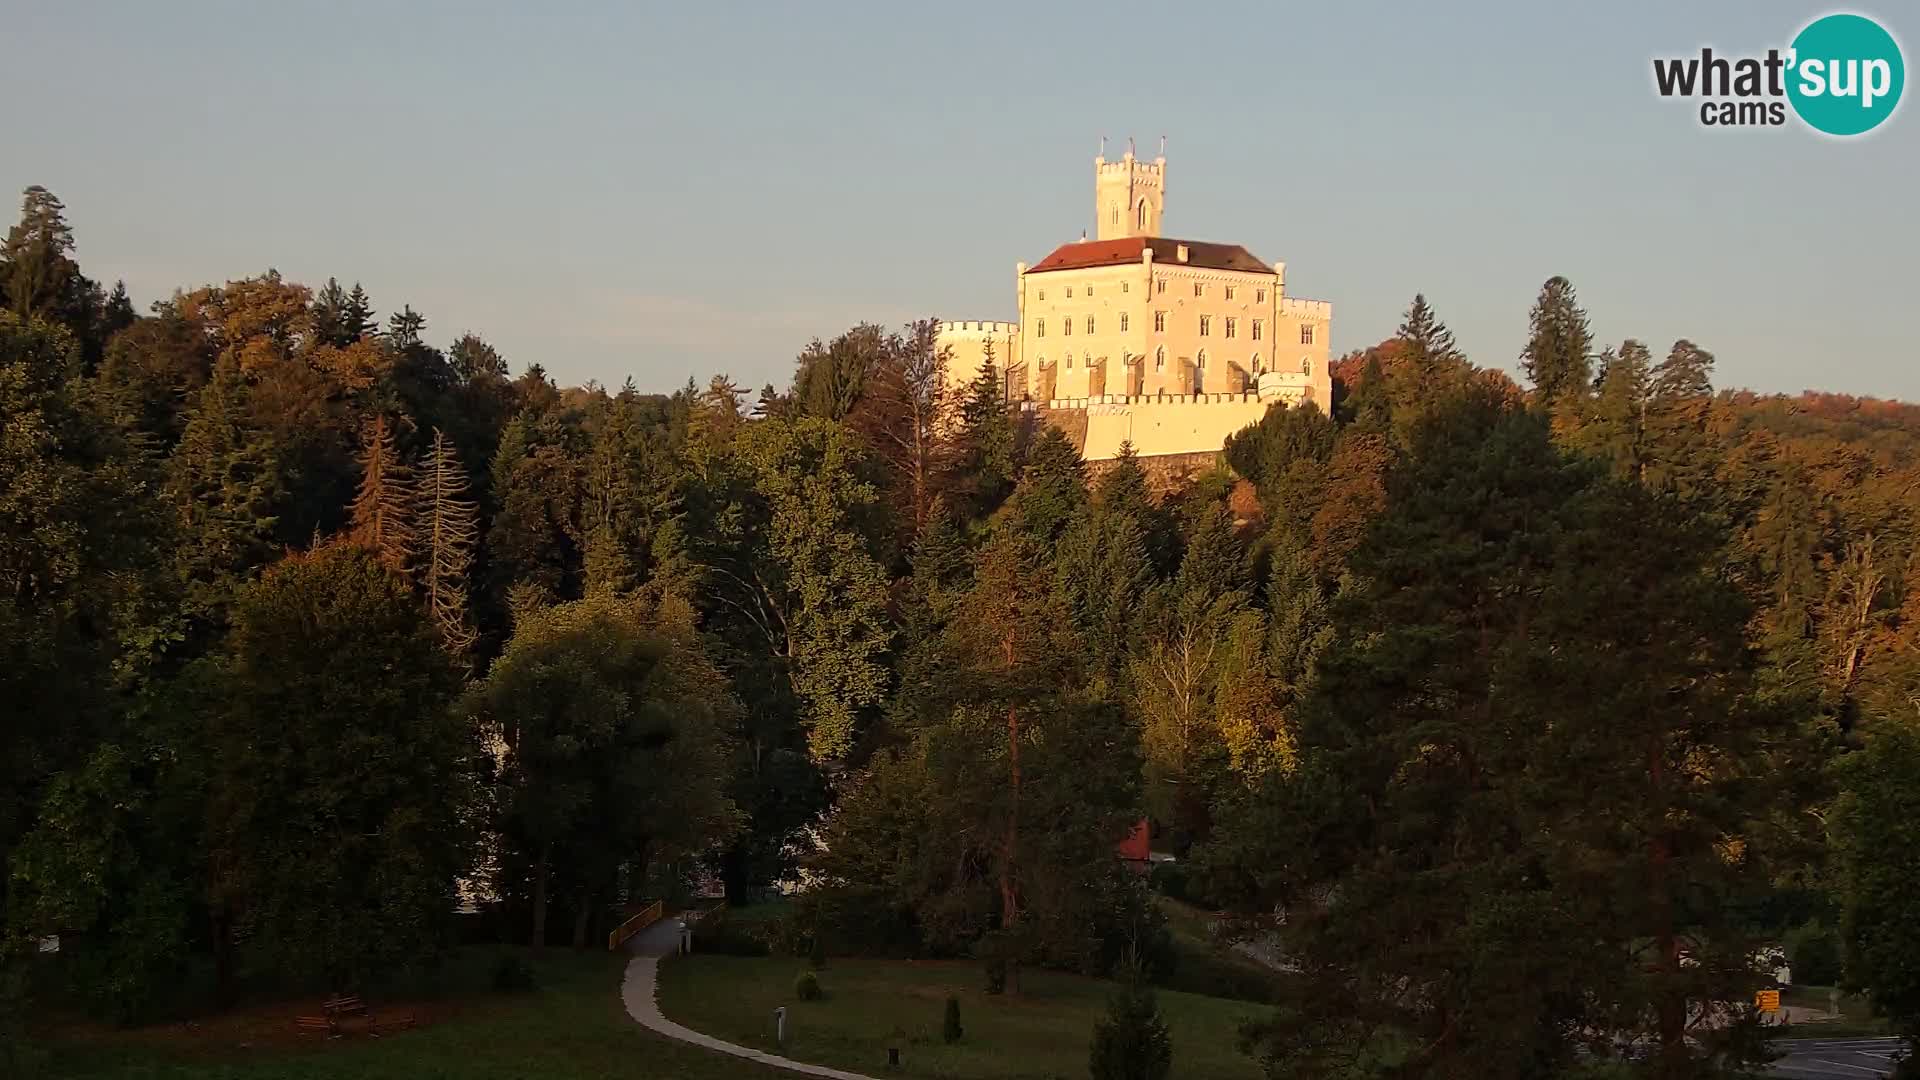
873 1004
572 1027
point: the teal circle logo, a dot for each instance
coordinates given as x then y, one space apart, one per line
1845 74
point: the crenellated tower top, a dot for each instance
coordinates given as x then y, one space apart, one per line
1129 195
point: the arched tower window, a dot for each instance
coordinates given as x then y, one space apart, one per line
1306 365
1160 358
1143 213
1257 369
1200 372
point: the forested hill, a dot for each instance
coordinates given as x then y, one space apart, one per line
1574 693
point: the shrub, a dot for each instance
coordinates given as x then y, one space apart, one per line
1131 1042
1168 879
512 974
715 933
950 1023
1814 952
996 974
807 987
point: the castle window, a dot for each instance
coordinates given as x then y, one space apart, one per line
1199 288
1201 360
1160 287
1257 369
1306 365
1089 324
1143 213
1114 215
1123 322
1069 292
1230 322
1256 329
1160 358
1159 322
1066 326
1040 328
1089 290
1123 286
1259 296
1230 292
1200 372
1206 325
1069 361
1043 294
1306 333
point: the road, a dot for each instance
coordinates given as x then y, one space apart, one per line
1830 1059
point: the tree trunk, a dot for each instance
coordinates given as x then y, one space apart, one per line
540 900
1670 1002
582 919
222 930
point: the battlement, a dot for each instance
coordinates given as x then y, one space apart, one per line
975 326
1156 168
1119 403
1306 309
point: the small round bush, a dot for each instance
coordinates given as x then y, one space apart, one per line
996 974
807 987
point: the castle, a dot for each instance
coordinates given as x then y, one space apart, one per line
1131 337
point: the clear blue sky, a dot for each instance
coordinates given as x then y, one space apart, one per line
676 189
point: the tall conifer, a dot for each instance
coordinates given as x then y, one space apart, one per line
448 531
383 512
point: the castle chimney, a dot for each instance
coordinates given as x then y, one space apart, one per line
1180 253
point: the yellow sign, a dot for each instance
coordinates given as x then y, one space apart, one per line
1767 1000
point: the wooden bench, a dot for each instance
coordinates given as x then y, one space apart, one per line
353 1005
317 1024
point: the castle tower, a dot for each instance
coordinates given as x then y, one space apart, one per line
1129 196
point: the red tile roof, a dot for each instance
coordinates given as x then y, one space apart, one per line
1089 253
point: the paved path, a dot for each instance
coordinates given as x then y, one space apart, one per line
639 992
1831 1059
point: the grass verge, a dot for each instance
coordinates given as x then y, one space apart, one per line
871 1005
572 1027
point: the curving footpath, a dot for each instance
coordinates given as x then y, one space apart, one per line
639 992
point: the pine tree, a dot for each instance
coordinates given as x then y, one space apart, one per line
382 518
1681 448
476 361
449 529
331 316
1523 857
1616 432
359 322
224 482
406 327
981 469
1559 354
1131 1041
1428 342
38 256
1053 487
1429 367
1368 405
